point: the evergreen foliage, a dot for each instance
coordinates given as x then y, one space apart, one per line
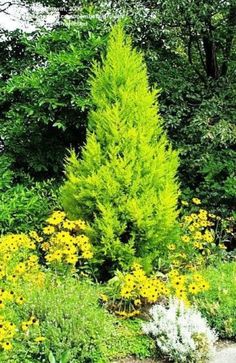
125 183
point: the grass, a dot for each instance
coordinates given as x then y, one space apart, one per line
218 304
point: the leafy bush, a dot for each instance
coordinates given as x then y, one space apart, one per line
62 317
44 108
180 333
218 303
23 208
125 185
6 173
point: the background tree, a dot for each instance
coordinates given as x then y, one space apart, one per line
44 108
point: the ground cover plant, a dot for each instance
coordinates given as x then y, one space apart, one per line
218 303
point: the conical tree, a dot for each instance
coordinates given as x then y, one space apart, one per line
124 184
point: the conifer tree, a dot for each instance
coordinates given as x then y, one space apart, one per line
125 182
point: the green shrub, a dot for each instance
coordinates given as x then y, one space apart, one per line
125 183
44 108
25 207
5 172
218 303
73 323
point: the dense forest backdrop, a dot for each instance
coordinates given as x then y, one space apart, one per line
190 51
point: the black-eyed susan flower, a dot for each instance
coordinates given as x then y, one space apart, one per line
196 201
40 339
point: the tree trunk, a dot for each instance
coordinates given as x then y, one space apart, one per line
210 57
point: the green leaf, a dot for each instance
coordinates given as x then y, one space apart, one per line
65 357
51 358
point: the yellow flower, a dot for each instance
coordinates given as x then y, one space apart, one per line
72 259
191 228
20 300
173 273
25 326
188 219
193 216
39 339
184 202
171 247
80 224
137 302
178 281
204 286
56 218
48 230
185 238
196 201
69 225
125 292
104 297
33 321
197 277
136 266
34 235
193 288
6 345
45 246
208 236
198 245
87 255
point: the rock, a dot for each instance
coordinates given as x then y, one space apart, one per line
225 355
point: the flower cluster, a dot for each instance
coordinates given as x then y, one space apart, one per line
130 292
7 333
19 260
198 239
19 263
64 241
181 333
185 286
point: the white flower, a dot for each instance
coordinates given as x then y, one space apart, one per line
181 333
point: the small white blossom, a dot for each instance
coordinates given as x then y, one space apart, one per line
181 333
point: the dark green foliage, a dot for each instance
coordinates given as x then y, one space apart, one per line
44 109
218 303
190 52
23 206
14 54
125 183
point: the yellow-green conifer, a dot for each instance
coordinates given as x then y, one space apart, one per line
125 182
